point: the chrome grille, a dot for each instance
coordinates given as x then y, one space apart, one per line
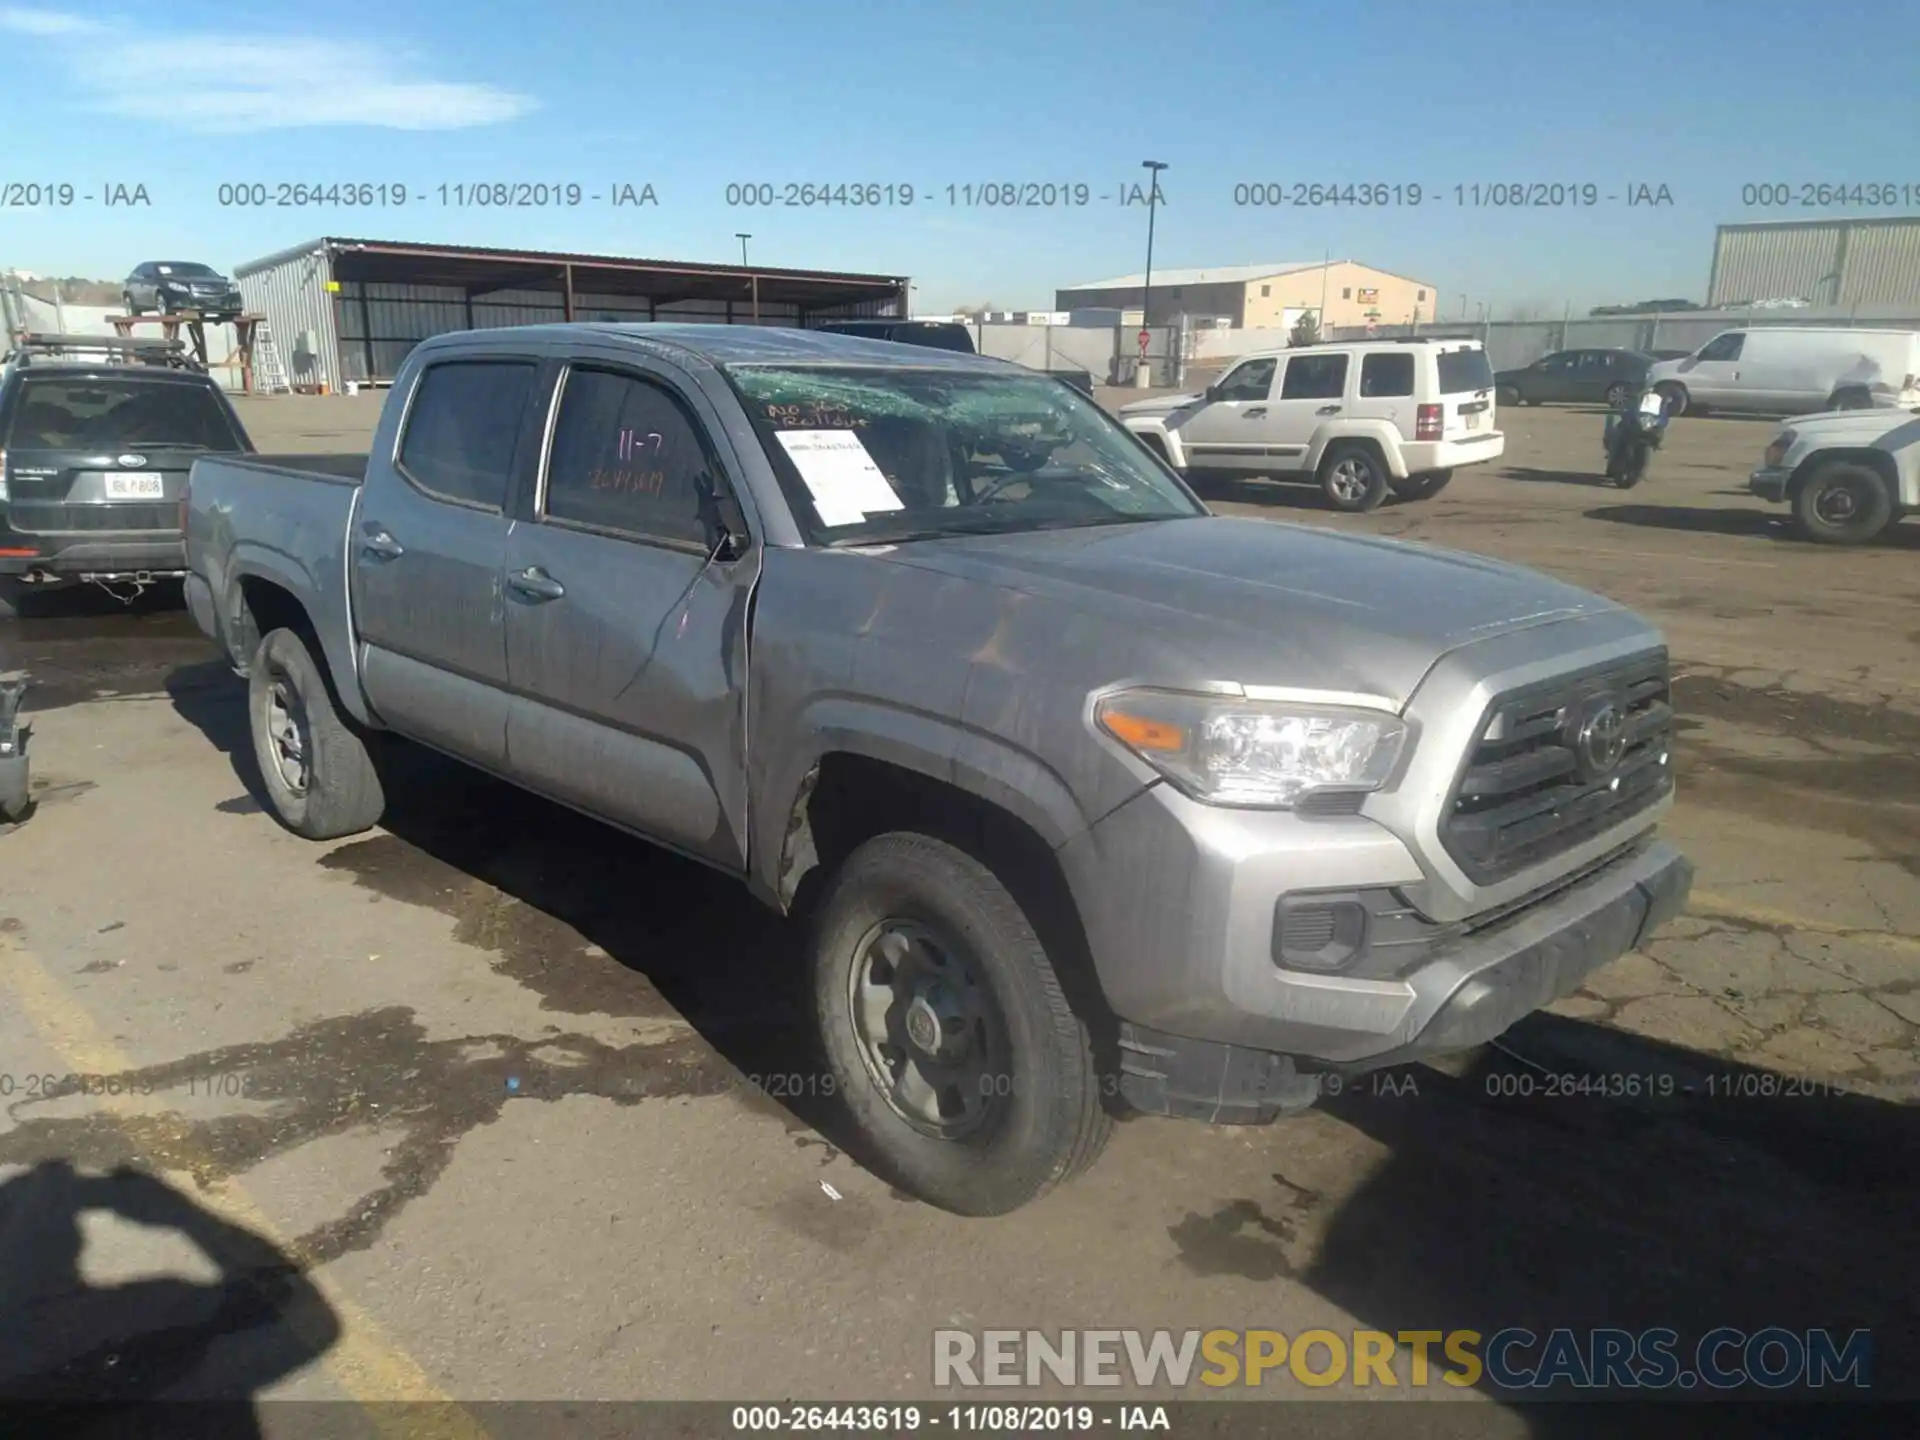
1537 783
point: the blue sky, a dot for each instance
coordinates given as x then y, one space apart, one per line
1699 97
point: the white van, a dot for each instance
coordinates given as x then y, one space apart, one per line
1793 370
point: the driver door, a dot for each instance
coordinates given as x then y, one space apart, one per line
1712 376
1228 432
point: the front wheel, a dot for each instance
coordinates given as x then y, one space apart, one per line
1507 395
949 1038
1629 467
317 768
1353 479
1843 504
1421 487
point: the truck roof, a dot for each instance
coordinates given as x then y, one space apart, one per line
751 345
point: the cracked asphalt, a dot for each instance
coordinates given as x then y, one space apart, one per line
516 1108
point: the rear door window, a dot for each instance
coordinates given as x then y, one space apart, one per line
1461 371
1315 377
82 412
1385 374
463 428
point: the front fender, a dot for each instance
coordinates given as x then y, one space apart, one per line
1156 427
978 764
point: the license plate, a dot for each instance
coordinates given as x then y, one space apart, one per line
1472 421
136 487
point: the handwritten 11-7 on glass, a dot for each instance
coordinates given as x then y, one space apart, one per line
968 195
1478 195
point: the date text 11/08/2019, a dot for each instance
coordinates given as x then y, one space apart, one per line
1481 195
972 195
457 195
1008 1419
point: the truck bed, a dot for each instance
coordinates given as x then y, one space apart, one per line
349 468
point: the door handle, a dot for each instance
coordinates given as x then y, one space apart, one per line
535 584
1255 413
1328 410
379 543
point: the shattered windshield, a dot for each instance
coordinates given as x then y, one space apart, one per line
876 455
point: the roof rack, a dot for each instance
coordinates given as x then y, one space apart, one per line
27 346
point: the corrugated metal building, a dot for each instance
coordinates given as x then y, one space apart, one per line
343 310
1840 263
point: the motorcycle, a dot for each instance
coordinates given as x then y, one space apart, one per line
1633 432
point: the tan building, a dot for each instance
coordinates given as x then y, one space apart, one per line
1252 296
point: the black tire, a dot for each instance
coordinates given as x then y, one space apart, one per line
1507 395
340 791
1675 396
1421 487
1850 397
1630 468
1043 1122
1352 478
24 602
132 309
1618 395
1842 503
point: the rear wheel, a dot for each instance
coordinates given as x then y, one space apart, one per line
1421 487
1352 478
1618 396
127 299
1843 504
1507 395
1675 397
316 766
950 1040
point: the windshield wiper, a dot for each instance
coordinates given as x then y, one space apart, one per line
903 533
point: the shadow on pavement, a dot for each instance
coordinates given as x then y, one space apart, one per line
676 935
1709 1198
84 1360
1774 525
1595 477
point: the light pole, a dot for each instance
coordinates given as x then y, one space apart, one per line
1153 169
743 236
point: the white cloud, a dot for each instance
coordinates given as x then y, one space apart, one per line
220 84
25 21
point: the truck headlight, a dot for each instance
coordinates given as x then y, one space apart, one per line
1777 451
1227 751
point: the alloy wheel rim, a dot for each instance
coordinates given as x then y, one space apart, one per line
1349 480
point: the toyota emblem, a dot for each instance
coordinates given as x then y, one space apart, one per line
133 462
1599 737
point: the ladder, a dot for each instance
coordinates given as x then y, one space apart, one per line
268 376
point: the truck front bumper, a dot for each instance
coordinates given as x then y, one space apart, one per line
1218 1022
1770 483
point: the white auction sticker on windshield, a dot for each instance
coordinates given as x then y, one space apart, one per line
845 484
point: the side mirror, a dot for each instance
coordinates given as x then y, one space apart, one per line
1211 393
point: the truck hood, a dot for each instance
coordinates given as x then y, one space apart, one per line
1187 602
1865 426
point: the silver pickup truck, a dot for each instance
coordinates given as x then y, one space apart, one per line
1089 799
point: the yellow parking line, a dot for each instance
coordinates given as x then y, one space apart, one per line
1709 906
370 1366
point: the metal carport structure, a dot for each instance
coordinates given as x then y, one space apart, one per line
346 310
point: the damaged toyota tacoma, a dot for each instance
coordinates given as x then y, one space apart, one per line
1087 799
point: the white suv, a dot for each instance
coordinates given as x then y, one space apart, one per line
1360 418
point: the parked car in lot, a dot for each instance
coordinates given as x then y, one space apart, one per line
1791 370
166 286
945 335
96 436
1359 418
1848 475
1087 795
1597 377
